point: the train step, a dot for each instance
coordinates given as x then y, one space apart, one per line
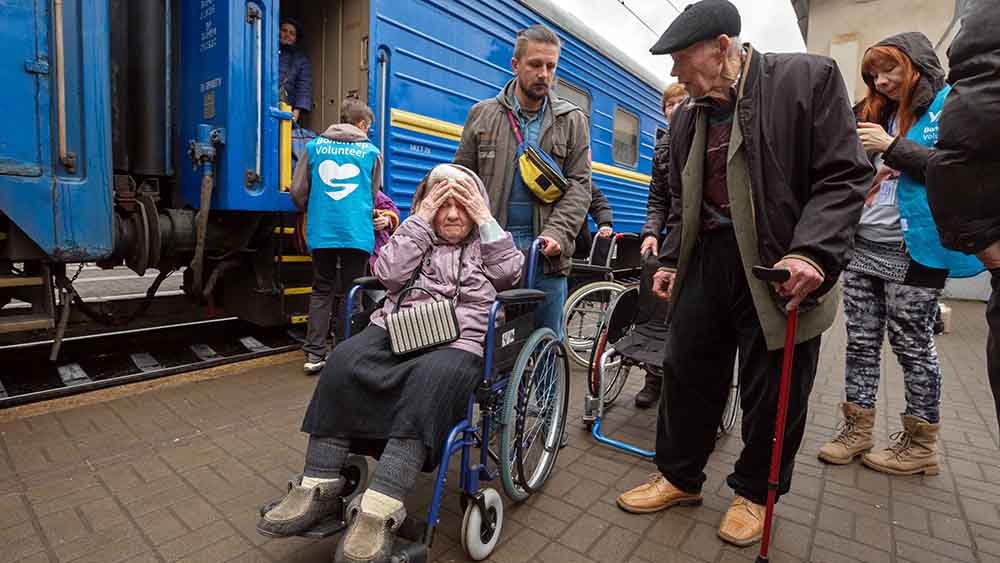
20 281
22 323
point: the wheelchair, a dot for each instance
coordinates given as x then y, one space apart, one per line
611 267
523 397
620 347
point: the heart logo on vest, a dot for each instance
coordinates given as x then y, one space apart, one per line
333 175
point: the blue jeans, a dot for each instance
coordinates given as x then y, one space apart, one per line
549 313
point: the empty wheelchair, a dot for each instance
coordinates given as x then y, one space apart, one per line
522 402
611 267
628 341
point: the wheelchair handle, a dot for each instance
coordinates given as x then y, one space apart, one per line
536 248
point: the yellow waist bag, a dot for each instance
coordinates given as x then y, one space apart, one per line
536 169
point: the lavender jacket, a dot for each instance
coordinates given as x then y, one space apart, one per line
486 269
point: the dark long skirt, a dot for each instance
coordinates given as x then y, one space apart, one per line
368 395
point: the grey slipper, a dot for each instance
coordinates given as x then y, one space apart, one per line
368 538
301 508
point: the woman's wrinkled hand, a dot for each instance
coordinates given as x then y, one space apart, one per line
428 207
467 194
874 138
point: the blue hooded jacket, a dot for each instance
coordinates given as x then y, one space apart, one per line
295 72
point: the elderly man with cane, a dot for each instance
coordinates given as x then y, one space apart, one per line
765 170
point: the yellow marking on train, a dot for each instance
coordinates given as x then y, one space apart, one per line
284 230
453 132
299 319
425 125
285 142
298 290
293 259
621 173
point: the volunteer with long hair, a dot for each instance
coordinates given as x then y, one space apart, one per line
899 267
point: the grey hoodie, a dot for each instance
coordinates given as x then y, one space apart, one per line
302 179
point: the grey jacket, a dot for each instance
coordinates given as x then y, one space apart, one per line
489 148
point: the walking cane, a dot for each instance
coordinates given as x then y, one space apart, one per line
777 276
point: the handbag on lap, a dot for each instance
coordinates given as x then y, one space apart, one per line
427 325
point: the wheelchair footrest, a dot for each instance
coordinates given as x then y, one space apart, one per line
410 553
325 528
412 529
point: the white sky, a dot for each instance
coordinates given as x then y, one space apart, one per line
769 24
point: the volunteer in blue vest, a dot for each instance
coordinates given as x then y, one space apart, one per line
497 130
335 182
899 267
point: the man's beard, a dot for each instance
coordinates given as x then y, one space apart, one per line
532 94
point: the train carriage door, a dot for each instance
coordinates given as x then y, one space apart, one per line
24 73
229 103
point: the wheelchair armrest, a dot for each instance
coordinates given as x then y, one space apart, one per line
520 296
590 269
369 282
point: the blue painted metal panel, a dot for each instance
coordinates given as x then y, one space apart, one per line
67 213
466 58
228 49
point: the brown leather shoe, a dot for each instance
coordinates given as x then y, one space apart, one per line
658 494
743 523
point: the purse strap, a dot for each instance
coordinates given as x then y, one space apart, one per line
513 125
416 274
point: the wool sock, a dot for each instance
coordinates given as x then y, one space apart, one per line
398 467
325 457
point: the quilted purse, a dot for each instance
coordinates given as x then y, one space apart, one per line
427 325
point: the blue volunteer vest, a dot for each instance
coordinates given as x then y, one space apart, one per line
916 221
340 196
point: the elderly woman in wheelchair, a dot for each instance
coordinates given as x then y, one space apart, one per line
397 395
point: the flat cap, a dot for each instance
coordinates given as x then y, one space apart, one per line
702 20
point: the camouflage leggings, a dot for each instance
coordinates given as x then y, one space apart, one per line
870 304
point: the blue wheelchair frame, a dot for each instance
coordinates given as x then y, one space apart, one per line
465 435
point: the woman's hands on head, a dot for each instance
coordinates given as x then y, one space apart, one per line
436 197
463 192
467 194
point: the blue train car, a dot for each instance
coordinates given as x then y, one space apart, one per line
126 117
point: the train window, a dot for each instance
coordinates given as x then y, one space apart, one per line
626 138
573 94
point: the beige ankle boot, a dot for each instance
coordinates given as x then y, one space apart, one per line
853 438
915 450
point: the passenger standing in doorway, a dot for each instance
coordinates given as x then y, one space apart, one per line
657 207
899 267
963 174
528 108
294 70
773 175
346 171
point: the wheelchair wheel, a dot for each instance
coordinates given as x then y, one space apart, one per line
583 312
534 414
480 532
611 373
732 409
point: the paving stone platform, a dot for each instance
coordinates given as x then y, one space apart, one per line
176 473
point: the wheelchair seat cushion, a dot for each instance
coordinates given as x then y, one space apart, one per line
367 394
645 344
